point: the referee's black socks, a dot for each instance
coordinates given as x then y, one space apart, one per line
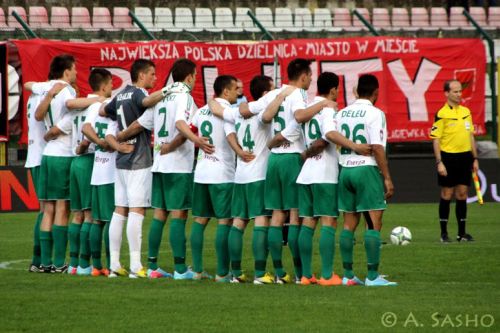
444 213
461 213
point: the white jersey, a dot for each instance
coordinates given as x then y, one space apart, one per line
104 161
253 136
36 129
218 167
61 146
361 122
322 168
162 117
72 124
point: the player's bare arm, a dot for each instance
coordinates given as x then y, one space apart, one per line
380 158
304 115
169 147
441 169
154 98
216 108
83 102
246 156
339 139
274 106
131 131
29 85
52 134
43 107
202 142
82 147
102 110
91 135
314 149
276 141
245 111
123 148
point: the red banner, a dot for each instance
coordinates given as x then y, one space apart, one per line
411 71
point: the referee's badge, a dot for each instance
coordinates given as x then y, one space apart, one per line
467 125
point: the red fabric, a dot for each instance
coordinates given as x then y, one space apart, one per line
417 67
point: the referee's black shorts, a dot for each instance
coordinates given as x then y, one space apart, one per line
458 167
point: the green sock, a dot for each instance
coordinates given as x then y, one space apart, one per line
197 230
96 244
178 243
60 237
259 249
235 241
37 251
74 243
222 249
327 251
85 245
305 247
275 244
293 244
46 248
346 248
372 248
106 244
155 234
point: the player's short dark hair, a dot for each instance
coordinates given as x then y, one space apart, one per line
98 77
259 85
326 82
140 66
222 82
367 84
182 68
297 67
447 84
59 64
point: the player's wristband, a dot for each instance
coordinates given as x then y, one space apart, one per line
437 162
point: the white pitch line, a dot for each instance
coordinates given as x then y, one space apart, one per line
6 264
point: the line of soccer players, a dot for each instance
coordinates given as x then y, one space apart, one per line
98 155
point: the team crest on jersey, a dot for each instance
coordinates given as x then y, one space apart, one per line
467 126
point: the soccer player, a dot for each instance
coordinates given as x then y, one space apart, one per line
284 166
56 163
456 158
81 171
133 175
172 167
36 144
318 184
363 179
250 144
213 180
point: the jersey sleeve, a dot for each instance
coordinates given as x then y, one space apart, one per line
92 113
137 97
183 107
437 127
471 123
229 128
299 100
376 129
328 121
112 128
39 88
66 94
292 132
110 109
147 119
230 114
262 103
66 123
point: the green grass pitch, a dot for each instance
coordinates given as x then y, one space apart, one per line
443 287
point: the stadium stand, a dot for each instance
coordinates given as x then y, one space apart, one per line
3 24
242 20
419 17
265 16
224 20
283 19
457 19
59 18
184 19
164 20
145 15
381 18
400 18
121 20
204 20
80 18
439 18
101 18
303 20
356 22
11 20
342 18
38 17
479 15
494 17
323 19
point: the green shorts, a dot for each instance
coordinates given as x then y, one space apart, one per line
248 200
361 189
318 200
35 178
53 182
212 200
281 187
172 191
80 191
103 202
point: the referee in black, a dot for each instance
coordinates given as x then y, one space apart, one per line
456 158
